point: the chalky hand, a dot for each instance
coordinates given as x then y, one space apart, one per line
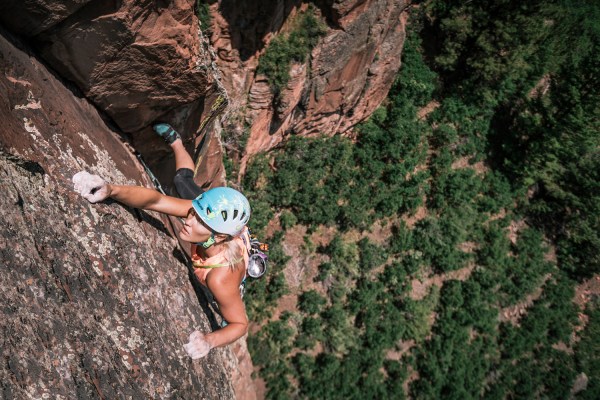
197 347
91 187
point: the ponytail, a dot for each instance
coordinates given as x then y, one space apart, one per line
233 253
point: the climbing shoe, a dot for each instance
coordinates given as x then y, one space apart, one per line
166 132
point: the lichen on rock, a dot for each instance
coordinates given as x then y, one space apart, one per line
96 302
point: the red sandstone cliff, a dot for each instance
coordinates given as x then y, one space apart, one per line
138 61
98 300
134 59
345 79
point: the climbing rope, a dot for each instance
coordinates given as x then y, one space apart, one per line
152 177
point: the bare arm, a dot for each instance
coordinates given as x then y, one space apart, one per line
148 199
226 291
94 189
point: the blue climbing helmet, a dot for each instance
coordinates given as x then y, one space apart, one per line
223 209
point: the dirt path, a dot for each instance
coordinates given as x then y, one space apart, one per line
584 292
420 288
513 314
428 109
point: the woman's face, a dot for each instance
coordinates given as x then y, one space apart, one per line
193 229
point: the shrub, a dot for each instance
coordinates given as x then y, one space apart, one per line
287 219
203 14
293 47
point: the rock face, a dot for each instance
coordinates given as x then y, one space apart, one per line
31 17
346 78
96 303
139 61
135 59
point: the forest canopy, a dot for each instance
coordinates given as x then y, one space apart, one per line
500 182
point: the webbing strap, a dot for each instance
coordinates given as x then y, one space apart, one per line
218 265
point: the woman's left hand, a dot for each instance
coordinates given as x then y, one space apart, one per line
198 346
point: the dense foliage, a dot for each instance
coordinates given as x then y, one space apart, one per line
203 14
294 46
474 297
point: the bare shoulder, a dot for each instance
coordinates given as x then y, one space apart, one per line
224 284
226 276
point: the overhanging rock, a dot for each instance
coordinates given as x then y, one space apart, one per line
135 59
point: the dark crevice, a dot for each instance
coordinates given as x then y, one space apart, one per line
32 167
250 22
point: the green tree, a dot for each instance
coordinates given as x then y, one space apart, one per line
587 352
311 302
292 47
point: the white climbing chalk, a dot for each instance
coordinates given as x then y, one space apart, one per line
91 187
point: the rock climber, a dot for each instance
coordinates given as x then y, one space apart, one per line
215 225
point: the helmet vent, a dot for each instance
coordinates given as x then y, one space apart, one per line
223 210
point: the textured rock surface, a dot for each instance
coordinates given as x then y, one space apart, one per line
347 78
95 303
240 365
240 31
31 17
139 61
354 67
135 59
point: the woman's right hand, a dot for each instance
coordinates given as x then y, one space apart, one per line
91 187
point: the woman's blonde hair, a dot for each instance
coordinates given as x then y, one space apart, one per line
233 253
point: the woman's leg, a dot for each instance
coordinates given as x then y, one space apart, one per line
184 165
172 138
182 157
